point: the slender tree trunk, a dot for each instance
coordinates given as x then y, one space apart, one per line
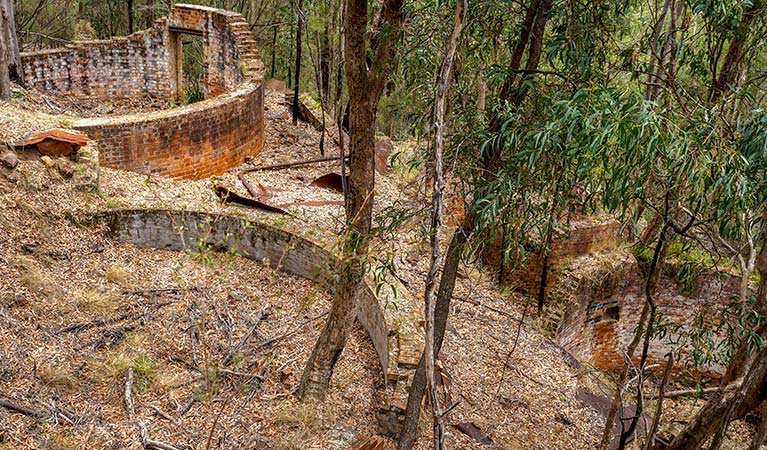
442 309
728 75
491 163
296 86
710 416
649 445
274 51
130 16
365 88
624 373
5 80
442 84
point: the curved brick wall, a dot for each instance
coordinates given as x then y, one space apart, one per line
181 230
195 141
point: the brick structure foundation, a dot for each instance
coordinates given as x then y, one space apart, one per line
195 141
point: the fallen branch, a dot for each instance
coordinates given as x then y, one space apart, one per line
7 404
295 330
244 340
304 162
684 392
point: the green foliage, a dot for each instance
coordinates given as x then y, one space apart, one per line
710 337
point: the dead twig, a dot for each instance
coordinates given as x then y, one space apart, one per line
295 330
130 408
230 356
304 162
7 404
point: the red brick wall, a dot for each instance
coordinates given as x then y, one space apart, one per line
584 238
194 141
119 67
592 334
197 141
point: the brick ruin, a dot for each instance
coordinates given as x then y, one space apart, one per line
600 324
193 141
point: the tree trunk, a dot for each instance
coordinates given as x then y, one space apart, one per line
296 86
9 43
704 425
274 51
365 88
5 80
491 163
623 375
442 83
761 433
441 311
728 75
710 417
130 16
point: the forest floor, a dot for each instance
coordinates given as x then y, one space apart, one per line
78 311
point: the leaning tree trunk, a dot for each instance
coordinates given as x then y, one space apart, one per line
365 88
739 401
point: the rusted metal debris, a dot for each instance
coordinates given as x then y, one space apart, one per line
368 443
57 142
332 181
228 196
471 430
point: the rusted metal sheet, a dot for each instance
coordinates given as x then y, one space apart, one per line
228 196
57 142
332 181
368 443
471 430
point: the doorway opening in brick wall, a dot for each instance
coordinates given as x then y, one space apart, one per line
187 65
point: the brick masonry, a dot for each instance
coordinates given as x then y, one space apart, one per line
598 328
184 230
194 141
394 331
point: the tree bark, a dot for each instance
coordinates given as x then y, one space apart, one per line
9 46
710 417
365 88
623 375
491 163
728 75
442 83
697 431
5 79
296 86
130 16
441 312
